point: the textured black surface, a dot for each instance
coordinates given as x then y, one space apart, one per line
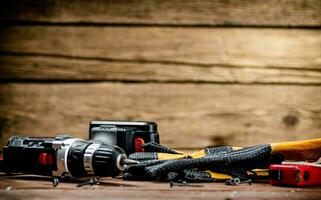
75 158
248 158
105 159
142 156
218 159
155 147
193 175
217 150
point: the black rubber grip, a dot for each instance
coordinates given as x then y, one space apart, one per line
75 159
105 160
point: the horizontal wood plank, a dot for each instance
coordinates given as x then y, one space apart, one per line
189 115
46 68
235 47
169 12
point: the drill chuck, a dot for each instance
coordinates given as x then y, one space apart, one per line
63 156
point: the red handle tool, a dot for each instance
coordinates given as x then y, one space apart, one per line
295 174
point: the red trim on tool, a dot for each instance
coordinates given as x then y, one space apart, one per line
139 144
45 159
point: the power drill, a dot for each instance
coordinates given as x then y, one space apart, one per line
63 156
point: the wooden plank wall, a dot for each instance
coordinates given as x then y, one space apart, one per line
209 72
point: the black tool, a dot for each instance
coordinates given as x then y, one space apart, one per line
129 135
92 181
63 156
184 184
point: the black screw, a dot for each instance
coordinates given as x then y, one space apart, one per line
233 181
249 181
184 184
92 181
55 181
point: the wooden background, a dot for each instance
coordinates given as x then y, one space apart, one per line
209 72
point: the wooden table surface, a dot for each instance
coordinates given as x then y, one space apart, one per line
35 188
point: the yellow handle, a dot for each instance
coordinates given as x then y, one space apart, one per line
299 150
296 150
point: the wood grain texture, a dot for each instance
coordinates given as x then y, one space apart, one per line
169 12
24 188
52 68
189 115
235 47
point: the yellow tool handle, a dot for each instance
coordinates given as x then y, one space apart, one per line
299 150
295 150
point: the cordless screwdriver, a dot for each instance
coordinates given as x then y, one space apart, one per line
63 156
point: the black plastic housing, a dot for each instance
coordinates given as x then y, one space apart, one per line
123 133
21 155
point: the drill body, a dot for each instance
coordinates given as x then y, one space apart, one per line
62 156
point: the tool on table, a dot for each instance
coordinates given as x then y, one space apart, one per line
183 184
295 174
63 156
215 163
129 135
